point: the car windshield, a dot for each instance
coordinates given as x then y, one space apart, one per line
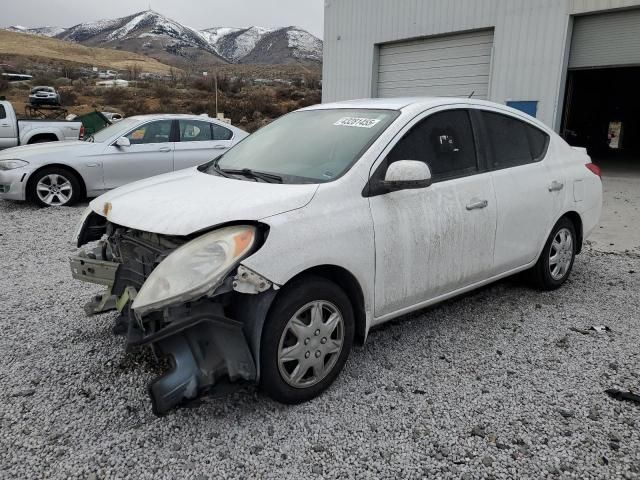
115 130
314 146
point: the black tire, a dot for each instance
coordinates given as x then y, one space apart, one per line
66 196
543 274
294 297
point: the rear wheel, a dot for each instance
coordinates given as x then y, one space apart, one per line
33 141
306 341
556 261
54 187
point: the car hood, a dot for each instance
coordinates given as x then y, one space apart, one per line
26 152
188 201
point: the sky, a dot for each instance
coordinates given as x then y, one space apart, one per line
199 14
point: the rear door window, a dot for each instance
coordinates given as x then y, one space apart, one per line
153 132
3 112
513 142
444 141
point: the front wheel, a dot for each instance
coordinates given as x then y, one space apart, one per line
556 261
307 339
54 187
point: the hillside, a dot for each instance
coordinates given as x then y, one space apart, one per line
154 35
147 33
34 46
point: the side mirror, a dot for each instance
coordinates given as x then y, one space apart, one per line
123 142
407 175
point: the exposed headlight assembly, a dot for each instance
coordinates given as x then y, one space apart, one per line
12 164
195 269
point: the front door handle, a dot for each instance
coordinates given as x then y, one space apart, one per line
5 125
219 147
164 149
556 186
477 205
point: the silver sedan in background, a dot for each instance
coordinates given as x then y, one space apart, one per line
61 173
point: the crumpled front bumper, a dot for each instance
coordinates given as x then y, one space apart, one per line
207 349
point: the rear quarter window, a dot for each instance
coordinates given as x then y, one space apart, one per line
221 133
513 142
539 142
3 112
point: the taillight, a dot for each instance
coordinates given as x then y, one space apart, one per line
82 132
594 168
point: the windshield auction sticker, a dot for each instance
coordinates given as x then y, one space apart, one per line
357 122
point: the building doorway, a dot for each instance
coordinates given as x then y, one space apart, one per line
602 114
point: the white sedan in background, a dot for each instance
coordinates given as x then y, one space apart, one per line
57 174
264 265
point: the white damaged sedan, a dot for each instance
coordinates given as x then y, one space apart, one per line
267 264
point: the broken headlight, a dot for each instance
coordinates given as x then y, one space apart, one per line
195 269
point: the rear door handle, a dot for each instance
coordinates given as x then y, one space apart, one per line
556 186
219 147
477 205
164 149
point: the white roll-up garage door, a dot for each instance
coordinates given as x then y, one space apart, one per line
605 40
450 66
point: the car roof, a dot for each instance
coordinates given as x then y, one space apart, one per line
177 116
420 104
400 103
369 103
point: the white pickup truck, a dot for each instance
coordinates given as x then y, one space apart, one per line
14 132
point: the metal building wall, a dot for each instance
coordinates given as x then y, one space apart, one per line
530 55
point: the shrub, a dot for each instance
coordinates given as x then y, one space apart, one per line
204 84
69 97
136 106
44 80
166 106
115 95
4 85
162 92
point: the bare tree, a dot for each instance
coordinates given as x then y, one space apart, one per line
173 77
133 71
69 72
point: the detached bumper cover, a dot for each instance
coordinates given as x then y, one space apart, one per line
210 350
206 348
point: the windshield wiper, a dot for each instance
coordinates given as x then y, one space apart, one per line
218 170
267 177
247 172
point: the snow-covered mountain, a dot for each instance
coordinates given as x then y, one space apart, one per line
266 45
157 36
236 43
42 31
148 33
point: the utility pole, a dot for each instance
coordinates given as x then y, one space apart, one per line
216 87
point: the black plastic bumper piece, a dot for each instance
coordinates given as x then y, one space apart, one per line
211 350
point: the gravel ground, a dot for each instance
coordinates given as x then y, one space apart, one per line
494 385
